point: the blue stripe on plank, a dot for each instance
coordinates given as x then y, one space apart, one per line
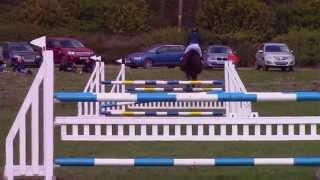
173 82
107 82
234 162
308 96
150 97
107 113
217 114
150 82
188 89
230 97
131 89
217 82
75 97
307 161
151 113
172 113
153 162
215 92
169 89
75 161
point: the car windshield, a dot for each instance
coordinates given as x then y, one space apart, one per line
71 44
152 49
21 47
277 48
223 50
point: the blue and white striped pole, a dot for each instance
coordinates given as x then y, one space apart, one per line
161 113
181 97
297 161
150 89
162 82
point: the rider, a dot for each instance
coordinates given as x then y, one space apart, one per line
194 41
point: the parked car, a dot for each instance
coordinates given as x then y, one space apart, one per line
159 55
12 51
275 55
68 50
216 55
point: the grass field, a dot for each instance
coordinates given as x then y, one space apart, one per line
13 89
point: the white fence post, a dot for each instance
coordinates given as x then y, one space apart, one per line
18 130
48 86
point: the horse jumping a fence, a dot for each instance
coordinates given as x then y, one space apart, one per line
223 114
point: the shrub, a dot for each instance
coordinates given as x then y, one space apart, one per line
127 16
19 32
230 16
47 13
306 45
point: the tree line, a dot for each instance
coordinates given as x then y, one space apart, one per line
236 22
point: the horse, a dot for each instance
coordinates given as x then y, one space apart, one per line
191 64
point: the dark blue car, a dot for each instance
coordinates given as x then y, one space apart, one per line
160 55
20 50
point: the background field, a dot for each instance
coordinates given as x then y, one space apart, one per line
13 89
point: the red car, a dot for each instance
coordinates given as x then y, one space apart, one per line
68 50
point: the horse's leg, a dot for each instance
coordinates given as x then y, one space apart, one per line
189 78
194 77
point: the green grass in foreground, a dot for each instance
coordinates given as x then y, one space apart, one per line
13 89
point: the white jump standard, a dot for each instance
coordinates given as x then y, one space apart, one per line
158 116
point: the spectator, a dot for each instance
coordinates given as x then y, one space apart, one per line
88 66
2 66
67 67
18 66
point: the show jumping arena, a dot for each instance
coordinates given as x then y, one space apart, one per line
153 111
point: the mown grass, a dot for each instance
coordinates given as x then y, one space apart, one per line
13 89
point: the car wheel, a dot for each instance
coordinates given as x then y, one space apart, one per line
38 63
291 68
63 64
258 67
147 64
265 68
133 67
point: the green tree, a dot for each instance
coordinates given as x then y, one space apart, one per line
127 16
229 16
46 13
296 15
305 43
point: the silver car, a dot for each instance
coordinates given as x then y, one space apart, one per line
275 55
216 55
